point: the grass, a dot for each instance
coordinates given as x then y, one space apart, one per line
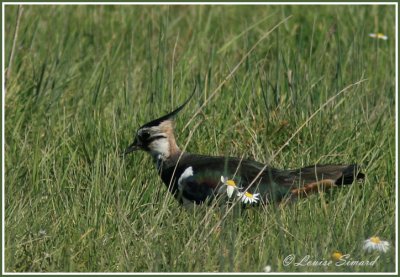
85 77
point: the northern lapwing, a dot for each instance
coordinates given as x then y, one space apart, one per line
194 178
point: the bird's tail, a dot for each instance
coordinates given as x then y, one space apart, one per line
322 177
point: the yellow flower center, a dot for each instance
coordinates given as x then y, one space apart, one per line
375 240
336 255
248 194
231 183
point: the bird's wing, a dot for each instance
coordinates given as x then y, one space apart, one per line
198 177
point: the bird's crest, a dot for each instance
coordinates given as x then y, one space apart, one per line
170 116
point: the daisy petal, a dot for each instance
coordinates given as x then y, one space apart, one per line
230 190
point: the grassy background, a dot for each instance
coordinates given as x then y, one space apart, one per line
84 78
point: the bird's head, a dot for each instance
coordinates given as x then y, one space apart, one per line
157 136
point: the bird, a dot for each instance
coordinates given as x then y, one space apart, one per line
194 179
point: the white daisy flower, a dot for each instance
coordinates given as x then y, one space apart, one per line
375 243
378 36
248 197
230 186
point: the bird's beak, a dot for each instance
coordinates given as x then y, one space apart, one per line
131 148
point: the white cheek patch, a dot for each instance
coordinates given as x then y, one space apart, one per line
186 174
160 146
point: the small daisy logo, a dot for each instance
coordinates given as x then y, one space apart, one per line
230 186
378 36
248 198
375 243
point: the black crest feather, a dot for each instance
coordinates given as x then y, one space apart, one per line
169 116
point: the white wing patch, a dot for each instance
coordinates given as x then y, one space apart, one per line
186 174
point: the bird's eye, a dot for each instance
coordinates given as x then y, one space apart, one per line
143 136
